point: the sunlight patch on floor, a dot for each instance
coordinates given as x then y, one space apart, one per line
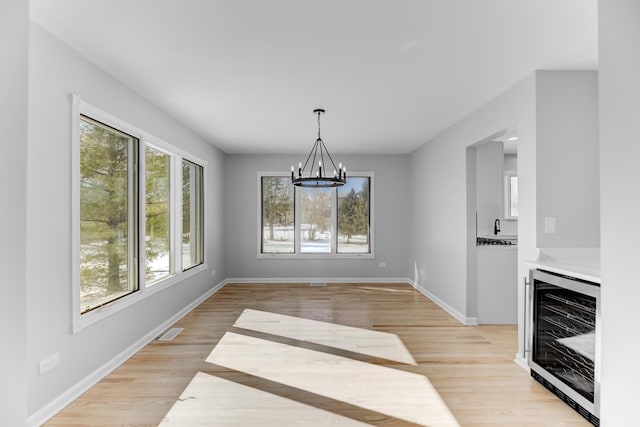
399 394
371 343
213 401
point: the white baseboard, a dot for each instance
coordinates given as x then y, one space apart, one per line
52 408
239 280
522 362
467 321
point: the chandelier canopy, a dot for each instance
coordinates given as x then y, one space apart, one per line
318 177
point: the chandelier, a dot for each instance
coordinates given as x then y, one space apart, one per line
318 177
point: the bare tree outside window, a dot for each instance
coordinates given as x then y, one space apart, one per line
325 220
315 226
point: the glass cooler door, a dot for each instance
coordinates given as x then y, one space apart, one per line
564 336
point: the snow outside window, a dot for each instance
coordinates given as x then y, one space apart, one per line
138 214
315 221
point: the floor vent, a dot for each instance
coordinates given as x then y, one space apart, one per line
170 334
318 284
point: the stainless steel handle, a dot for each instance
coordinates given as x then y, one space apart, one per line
527 342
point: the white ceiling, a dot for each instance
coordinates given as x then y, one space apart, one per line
247 74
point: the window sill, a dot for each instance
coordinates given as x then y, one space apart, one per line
81 321
316 256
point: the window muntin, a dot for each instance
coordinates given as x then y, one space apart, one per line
278 234
108 201
157 240
354 216
318 221
192 215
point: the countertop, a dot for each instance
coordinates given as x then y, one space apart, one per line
497 247
581 263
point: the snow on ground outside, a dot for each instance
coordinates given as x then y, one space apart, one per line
283 242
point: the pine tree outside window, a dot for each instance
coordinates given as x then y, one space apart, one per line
192 215
107 213
354 216
135 199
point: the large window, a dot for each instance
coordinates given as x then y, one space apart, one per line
511 196
192 215
277 215
316 225
157 210
128 224
107 214
320 221
354 216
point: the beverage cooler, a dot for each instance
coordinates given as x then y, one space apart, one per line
565 340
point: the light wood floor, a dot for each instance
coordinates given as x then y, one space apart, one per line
341 355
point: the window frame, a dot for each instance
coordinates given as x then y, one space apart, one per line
81 320
142 217
201 220
334 222
261 215
506 199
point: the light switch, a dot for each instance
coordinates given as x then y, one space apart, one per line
549 225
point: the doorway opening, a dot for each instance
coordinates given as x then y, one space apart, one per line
492 229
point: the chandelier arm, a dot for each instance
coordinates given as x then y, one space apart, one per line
330 158
313 162
308 157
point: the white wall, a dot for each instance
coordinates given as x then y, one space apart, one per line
497 295
555 116
511 163
439 223
619 28
55 73
489 177
14 24
391 233
568 158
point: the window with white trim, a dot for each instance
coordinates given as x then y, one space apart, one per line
138 207
108 208
315 221
192 215
510 196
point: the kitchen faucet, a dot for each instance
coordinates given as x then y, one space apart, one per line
496 227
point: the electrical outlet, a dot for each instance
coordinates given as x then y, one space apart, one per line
49 363
549 225
382 264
